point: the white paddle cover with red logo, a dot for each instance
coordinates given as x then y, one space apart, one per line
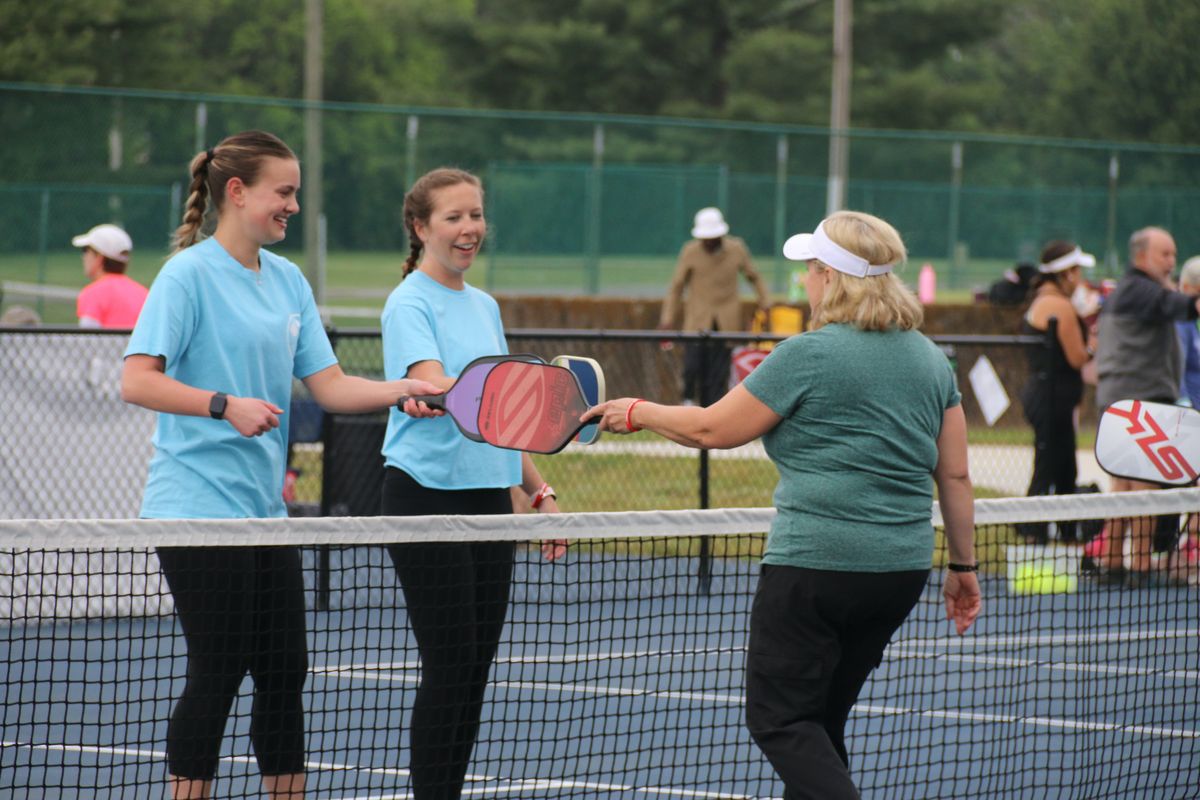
1152 442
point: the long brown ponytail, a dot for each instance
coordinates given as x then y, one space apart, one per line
240 155
418 205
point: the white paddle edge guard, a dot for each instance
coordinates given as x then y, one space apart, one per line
107 534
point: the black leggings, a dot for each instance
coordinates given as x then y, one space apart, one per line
241 609
1051 412
815 636
457 597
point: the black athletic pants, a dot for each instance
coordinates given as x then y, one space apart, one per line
815 636
457 597
1051 412
241 610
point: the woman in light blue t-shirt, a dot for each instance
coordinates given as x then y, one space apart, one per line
456 593
861 417
225 329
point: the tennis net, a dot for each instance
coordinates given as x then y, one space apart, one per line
619 669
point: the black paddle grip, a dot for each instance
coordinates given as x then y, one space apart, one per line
434 401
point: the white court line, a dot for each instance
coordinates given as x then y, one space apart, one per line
1036 722
552 658
159 755
1022 640
737 700
911 648
505 786
1056 666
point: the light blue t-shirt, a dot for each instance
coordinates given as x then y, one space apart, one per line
856 448
426 321
222 327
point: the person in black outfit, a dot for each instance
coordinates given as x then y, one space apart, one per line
1055 385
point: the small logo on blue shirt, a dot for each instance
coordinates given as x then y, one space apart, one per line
293 332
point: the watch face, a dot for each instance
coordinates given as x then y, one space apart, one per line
216 406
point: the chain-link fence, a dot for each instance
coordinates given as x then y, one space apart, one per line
72 449
577 203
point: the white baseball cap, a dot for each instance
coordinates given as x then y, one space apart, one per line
799 247
709 224
107 240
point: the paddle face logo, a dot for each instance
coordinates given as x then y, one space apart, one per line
1149 437
520 397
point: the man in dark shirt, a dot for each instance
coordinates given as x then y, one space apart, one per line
1139 358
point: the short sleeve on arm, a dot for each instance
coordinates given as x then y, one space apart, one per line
166 323
87 306
778 382
953 395
313 350
408 336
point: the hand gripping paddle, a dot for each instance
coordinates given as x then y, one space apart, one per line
461 400
1152 442
591 381
531 407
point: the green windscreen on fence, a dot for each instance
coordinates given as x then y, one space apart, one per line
582 203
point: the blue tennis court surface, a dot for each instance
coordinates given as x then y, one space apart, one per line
620 680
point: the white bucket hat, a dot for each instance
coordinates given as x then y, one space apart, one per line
709 224
1075 258
107 240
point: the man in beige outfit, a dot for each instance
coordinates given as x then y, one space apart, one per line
706 284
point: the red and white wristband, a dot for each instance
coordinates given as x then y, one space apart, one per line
539 497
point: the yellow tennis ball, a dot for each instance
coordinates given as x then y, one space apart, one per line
1044 581
1041 579
1024 580
1065 584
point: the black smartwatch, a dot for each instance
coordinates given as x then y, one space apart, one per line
216 406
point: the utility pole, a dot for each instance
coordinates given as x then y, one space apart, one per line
314 256
839 106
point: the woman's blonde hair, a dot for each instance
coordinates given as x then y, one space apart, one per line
874 303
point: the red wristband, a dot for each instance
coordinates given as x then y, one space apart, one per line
540 496
629 415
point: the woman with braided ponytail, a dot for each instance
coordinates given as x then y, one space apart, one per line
434 324
225 329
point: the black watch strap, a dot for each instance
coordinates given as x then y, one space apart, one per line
216 406
962 567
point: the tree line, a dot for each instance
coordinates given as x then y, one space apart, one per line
1121 70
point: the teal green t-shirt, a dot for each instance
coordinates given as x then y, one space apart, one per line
856 448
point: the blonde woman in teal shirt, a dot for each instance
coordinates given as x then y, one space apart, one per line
862 417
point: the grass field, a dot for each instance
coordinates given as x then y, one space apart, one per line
629 483
362 280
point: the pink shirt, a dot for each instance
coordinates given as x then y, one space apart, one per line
114 300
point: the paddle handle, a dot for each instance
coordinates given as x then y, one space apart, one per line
434 401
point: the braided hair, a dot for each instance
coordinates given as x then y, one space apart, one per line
240 155
418 205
